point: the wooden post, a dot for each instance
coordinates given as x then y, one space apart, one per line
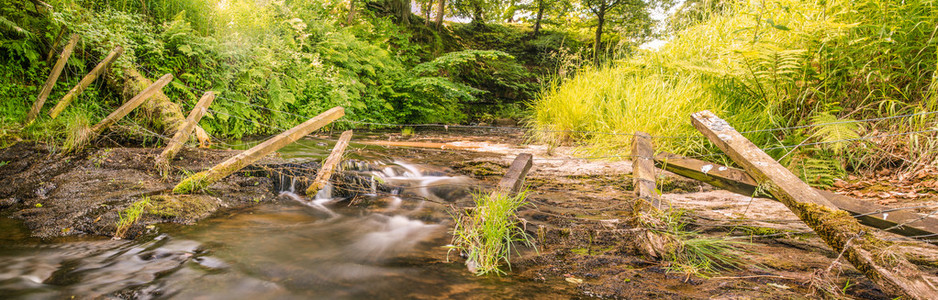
86 81
325 172
643 171
53 77
514 177
203 179
132 103
182 135
895 275
738 181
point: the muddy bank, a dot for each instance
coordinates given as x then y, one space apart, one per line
74 194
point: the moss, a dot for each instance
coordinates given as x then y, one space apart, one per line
196 182
183 207
481 169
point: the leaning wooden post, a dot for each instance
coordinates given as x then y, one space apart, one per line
514 177
895 275
182 135
86 81
203 179
85 136
643 171
325 172
53 77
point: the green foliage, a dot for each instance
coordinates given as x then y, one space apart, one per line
486 233
760 65
129 216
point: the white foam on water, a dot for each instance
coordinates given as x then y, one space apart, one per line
318 204
396 235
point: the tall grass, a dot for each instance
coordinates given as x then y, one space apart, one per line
758 64
487 233
129 216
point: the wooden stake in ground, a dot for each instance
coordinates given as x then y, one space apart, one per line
738 181
86 135
86 81
205 140
203 179
643 171
182 135
322 177
53 77
893 274
514 177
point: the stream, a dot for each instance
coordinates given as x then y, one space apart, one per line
290 248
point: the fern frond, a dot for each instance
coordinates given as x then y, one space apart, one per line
833 132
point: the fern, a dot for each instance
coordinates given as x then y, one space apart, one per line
835 134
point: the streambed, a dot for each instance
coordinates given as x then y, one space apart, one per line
265 241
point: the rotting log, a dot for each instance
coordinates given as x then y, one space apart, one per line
203 179
325 173
53 77
163 115
643 171
179 139
893 274
738 181
86 81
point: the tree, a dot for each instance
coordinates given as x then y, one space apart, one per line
440 10
479 10
631 16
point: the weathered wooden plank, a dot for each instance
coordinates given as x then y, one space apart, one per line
643 171
322 177
738 181
182 135
203 179
86 81
896 276
53 77
131 104
514 177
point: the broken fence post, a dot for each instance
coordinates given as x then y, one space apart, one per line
85 82
514 177
132 103
643 171
203 179
165 158
53 77
895 276
205 140
325 172
738 181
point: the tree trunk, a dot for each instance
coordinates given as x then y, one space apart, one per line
426 12
477 14
351 12
600 19
440 10
540 15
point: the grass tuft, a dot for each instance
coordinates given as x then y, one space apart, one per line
485 234
129 216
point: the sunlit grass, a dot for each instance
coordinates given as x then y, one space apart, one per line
486 233
130 215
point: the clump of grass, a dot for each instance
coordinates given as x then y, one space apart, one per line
77 132
407 132
695 255
486 233
130 215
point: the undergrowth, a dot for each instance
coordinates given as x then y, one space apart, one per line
487 233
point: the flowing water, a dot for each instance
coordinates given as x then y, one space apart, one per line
290 248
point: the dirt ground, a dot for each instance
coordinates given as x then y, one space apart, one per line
577 214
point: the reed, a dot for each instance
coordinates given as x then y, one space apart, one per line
487 233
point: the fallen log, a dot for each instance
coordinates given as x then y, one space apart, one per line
738 181
322 177
203 179
85 82
182 135
53 77
895 275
